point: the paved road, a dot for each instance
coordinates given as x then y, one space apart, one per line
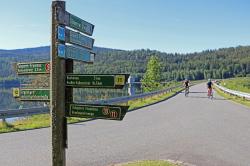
192 129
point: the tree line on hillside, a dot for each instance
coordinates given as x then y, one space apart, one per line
220 63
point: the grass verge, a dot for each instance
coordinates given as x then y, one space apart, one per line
233 98
241 84
148 101
150 163
43 120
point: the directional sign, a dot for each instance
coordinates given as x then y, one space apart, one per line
33 68
73 37
35 94
111 112
71 52
75 22
96 81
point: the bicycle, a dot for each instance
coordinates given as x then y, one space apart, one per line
186 91
210 93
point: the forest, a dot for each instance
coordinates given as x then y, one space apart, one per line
217 64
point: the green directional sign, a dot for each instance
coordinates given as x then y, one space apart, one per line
35 94
81 25
75 22
33 68
111 112
73 37
96 81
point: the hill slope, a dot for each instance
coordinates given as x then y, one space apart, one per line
221 63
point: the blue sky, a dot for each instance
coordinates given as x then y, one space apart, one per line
165 25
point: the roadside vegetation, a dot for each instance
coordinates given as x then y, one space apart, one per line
241 84
233 98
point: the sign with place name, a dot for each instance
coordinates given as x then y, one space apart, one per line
71 52
75 22
34 95
73 37
96 81
16 92
111 112
33 68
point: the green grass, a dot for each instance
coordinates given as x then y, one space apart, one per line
150 163
143 102
32 122
43 120
233 98
239 84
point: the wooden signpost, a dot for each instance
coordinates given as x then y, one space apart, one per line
68 45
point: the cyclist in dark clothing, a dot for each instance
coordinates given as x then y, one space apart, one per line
209 87
186 84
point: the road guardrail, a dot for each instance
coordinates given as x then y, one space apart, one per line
23 112
43 110
233 92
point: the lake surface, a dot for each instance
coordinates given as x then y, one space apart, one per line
7 101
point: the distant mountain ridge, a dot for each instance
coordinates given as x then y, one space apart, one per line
220 63
45 50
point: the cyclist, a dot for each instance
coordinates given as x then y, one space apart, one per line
186 84
209 88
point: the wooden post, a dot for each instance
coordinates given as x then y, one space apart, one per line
57 82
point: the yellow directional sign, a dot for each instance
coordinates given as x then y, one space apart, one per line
16 92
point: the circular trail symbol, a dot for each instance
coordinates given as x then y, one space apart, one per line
105 110
47 67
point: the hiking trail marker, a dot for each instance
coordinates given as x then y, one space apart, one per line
32 94
33 68
111 112
114 81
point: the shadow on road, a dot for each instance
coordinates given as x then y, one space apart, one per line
194 92
205 97
197 92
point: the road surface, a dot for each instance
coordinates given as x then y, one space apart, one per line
192 129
